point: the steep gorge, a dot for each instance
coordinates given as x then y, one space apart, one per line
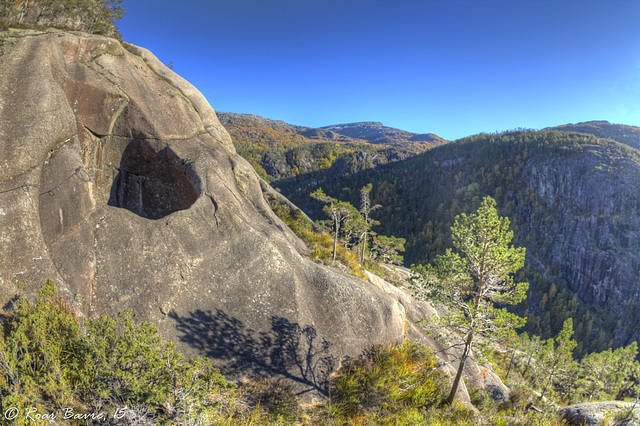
573 200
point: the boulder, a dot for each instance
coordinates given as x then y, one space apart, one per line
597 413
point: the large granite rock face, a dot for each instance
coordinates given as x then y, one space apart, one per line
129 193
591 231
118 181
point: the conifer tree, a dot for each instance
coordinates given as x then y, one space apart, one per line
606 374
475 281
557 360
337 210
365 211
387 249
353 226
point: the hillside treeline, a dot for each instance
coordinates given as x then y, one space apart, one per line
92 16
421 197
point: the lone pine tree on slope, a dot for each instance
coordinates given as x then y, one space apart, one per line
475 280
365 210
338 211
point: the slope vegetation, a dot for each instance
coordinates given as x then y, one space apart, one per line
279 150
573 200
628 135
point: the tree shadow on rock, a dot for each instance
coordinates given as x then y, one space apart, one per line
287 350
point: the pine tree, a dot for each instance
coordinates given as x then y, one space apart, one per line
387 249
365 211
607 374
557 360
337 210
474 279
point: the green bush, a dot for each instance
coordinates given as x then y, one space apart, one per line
389 381
50 363
320 244
41 355
274 400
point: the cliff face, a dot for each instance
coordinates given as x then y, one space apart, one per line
590 232
118 181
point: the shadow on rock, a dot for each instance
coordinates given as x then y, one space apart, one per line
287 350
153 184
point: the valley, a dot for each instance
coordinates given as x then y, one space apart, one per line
571 191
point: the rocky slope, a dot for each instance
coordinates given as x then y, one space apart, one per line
92 16
118 181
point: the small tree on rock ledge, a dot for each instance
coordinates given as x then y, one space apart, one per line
476 280
338 211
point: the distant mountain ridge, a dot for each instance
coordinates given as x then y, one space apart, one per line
376 133
628 135
248 129
369 131
280 150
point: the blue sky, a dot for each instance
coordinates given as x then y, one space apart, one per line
449 67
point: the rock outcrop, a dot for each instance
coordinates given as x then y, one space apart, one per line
590 229
598 413
118 181
92 16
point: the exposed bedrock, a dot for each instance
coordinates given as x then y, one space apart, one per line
118 181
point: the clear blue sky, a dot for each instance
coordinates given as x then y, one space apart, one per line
449 67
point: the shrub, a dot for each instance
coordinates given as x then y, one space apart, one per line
389 380
41 355
320 244
49 362
275 399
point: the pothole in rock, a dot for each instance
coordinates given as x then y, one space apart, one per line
153 184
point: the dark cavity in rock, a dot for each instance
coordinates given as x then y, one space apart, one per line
153 184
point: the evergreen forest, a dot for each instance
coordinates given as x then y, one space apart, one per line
421 196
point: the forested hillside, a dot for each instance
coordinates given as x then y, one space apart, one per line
279 150
628 135
573 200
